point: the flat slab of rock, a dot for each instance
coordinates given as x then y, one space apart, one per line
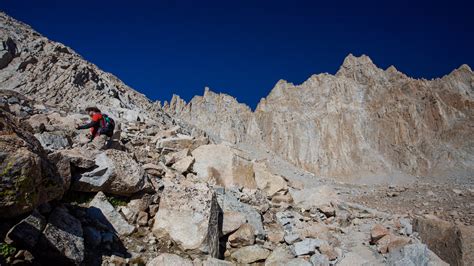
62 240
172 158
183 165
101 210
245 236
313 196
232 220
188 214
224 166
250 254
267 181
116 173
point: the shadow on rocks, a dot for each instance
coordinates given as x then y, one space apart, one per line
100 237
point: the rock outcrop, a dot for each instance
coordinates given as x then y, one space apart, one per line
188 215
62 239
361 122
115 172
439 234
101 210
27 177
224 166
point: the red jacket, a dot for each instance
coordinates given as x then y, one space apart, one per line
97 121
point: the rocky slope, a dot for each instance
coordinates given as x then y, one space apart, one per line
362 122
165 193
49 71
161 197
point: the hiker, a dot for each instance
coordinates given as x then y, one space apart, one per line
101 126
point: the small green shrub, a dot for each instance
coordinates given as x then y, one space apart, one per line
117 201
7 250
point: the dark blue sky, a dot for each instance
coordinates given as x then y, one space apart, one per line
244 47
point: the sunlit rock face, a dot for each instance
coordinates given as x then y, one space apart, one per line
362 121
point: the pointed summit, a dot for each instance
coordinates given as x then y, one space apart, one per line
279 89
392 72
351 61
358 68
465 67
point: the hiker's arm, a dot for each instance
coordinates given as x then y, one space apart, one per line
89 125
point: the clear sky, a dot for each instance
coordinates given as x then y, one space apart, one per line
244 47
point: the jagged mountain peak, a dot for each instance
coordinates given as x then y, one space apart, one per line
358 122
353 61
465 67
359 68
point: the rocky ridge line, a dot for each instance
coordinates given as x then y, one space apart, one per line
362 123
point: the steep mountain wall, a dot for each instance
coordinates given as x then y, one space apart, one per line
363 121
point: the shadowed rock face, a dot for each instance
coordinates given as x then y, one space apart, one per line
361 122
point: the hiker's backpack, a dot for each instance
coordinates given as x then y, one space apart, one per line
108 126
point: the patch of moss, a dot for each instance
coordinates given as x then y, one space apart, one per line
117 201
25 183
7 250
22 183
7 193
7 169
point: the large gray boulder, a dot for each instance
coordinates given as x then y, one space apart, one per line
230 203
116 173
101 210
188 215
250 254
309 197
223 165
62 240
452 243
72 162
52 141
27 177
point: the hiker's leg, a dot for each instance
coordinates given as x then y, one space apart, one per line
100 141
